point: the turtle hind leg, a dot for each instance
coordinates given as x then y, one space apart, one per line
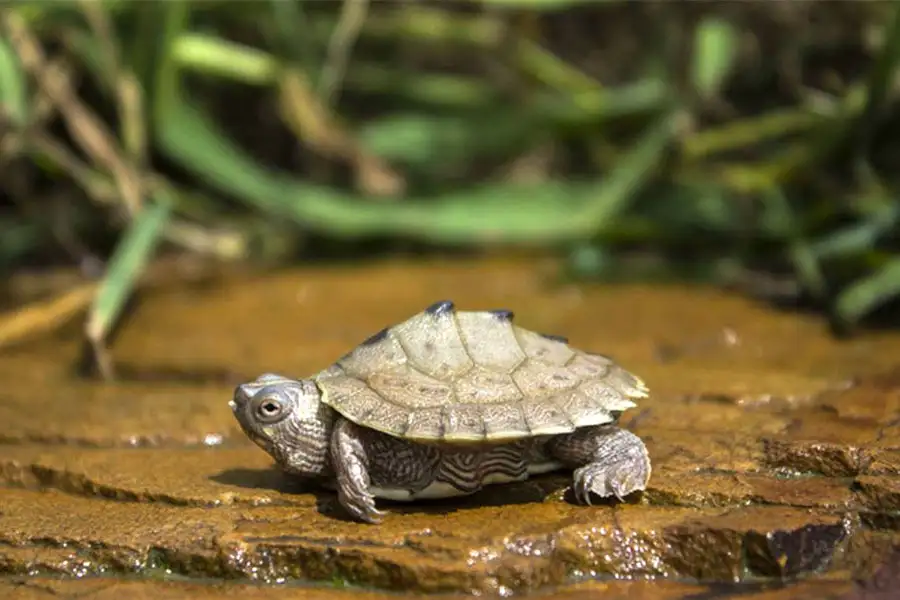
350 459
608 461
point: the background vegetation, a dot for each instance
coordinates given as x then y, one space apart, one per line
745 143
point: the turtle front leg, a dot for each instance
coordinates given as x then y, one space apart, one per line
351 461
608 461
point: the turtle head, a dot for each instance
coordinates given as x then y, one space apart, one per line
286 418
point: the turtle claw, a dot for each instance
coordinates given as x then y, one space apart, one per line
623 484
607 480
361 506
591 479
583 482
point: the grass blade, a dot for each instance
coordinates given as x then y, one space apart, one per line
431 142
861 237
633 171
715 45
125 267
862 297
210 55
550 212
13 93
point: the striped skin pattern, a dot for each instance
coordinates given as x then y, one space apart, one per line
402 470
608 461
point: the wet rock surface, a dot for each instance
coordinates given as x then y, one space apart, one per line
776 454
100 589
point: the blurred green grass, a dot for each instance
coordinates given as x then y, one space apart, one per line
747 144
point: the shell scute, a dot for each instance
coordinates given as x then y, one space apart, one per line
588 366
426 424
391 418
463 421
385 352
490 341
628 384
606 397
433 344
505 422
543 381
485 386
546 418
348 395
543 349
406 386
583 409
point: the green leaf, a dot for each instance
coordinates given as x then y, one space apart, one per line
166 80
126 265
860 237
543 5
211 55
13 90
860 298
427 140
715 44
553 211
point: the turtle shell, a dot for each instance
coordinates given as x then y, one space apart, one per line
474 377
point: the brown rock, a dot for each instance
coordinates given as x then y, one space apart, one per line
469 548
741 489
768 466
207 477
879 493
810 456
107 589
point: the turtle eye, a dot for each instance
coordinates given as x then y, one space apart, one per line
270 409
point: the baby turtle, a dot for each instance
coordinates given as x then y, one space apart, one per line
445 403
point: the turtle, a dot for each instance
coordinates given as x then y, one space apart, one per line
445 403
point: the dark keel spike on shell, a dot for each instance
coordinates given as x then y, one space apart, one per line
441 308
555 338
375 337
503 314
